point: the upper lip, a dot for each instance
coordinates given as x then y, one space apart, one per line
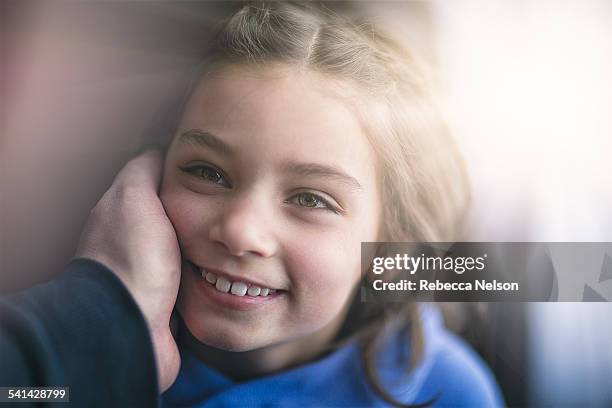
233 278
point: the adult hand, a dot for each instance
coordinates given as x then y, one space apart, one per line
128 231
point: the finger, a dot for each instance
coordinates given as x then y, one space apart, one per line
144 170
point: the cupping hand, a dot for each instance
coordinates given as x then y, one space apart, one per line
128 231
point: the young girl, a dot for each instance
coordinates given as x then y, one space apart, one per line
304 136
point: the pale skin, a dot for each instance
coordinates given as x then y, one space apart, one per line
294 146
250 197
129 232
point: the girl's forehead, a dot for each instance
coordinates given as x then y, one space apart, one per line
283 112
275 93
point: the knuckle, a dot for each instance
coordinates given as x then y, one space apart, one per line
129 192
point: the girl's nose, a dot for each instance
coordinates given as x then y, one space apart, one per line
243 229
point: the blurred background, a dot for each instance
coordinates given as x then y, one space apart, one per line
526 87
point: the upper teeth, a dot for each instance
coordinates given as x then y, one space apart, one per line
237 288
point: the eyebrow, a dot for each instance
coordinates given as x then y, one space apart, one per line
206 139
321 170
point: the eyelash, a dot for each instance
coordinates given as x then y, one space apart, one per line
318 198
194 170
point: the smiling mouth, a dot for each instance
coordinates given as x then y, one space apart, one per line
234 287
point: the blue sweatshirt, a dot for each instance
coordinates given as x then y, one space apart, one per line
448 369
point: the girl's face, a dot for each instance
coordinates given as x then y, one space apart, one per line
270 183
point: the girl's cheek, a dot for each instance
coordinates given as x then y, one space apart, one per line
324 270
184 211
322 294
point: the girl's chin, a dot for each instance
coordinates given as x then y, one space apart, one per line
221 338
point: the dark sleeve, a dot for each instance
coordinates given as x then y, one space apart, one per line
82 330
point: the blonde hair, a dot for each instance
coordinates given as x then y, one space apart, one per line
423 181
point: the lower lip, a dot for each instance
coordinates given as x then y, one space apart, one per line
230 301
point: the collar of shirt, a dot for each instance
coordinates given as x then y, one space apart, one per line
338 378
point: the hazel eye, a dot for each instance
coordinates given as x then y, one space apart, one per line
312 201
207 174
308 200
